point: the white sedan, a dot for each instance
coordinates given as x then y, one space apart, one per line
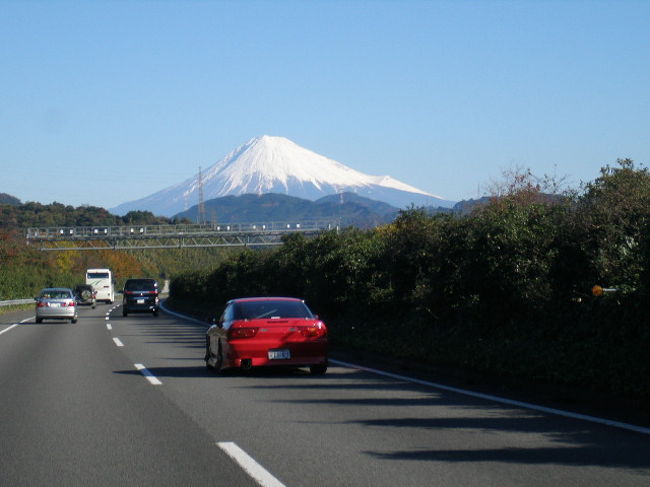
56 303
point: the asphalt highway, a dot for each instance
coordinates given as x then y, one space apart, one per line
128 401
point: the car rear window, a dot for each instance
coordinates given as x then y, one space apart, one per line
251 310
140 285
56 294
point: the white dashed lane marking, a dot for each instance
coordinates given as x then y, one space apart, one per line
153 380
249 465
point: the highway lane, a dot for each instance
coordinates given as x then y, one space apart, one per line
348 427
68 419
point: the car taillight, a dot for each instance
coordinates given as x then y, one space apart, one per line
313 331
41 304
242 333
70 303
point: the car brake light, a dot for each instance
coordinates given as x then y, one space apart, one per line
310 331
41 304
313 331
242 333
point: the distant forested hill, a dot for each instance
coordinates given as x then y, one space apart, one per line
348 208
7 199
38 215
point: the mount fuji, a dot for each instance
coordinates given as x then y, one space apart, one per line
270 164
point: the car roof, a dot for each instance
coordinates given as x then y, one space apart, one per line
56 289
265 298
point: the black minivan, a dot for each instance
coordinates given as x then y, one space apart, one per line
140 295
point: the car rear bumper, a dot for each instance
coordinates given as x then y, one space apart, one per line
302 353
265 362
56 313
144 308
139 303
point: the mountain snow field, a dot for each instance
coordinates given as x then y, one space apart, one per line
269 164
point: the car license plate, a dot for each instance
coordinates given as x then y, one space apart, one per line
55 305
279 354
140 301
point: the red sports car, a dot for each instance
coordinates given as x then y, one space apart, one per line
255 332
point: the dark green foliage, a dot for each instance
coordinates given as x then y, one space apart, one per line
505 288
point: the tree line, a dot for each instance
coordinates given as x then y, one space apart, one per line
32 214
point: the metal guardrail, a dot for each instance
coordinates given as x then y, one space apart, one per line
13 302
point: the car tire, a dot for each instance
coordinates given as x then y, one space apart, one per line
319 369
73 320
155 313
216 368
39 320
124 312
208 352
219 363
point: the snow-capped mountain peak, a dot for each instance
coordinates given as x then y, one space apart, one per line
263 161
270 164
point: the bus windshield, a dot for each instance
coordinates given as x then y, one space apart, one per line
97 275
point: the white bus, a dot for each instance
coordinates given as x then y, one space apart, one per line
102 281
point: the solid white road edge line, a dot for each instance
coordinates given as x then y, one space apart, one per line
502 400
153 380
250 466
118 342
9 328
17 324
182 316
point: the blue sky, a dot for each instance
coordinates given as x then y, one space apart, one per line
105 102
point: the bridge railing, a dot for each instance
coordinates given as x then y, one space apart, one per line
99 232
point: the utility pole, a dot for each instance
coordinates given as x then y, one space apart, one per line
201 217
